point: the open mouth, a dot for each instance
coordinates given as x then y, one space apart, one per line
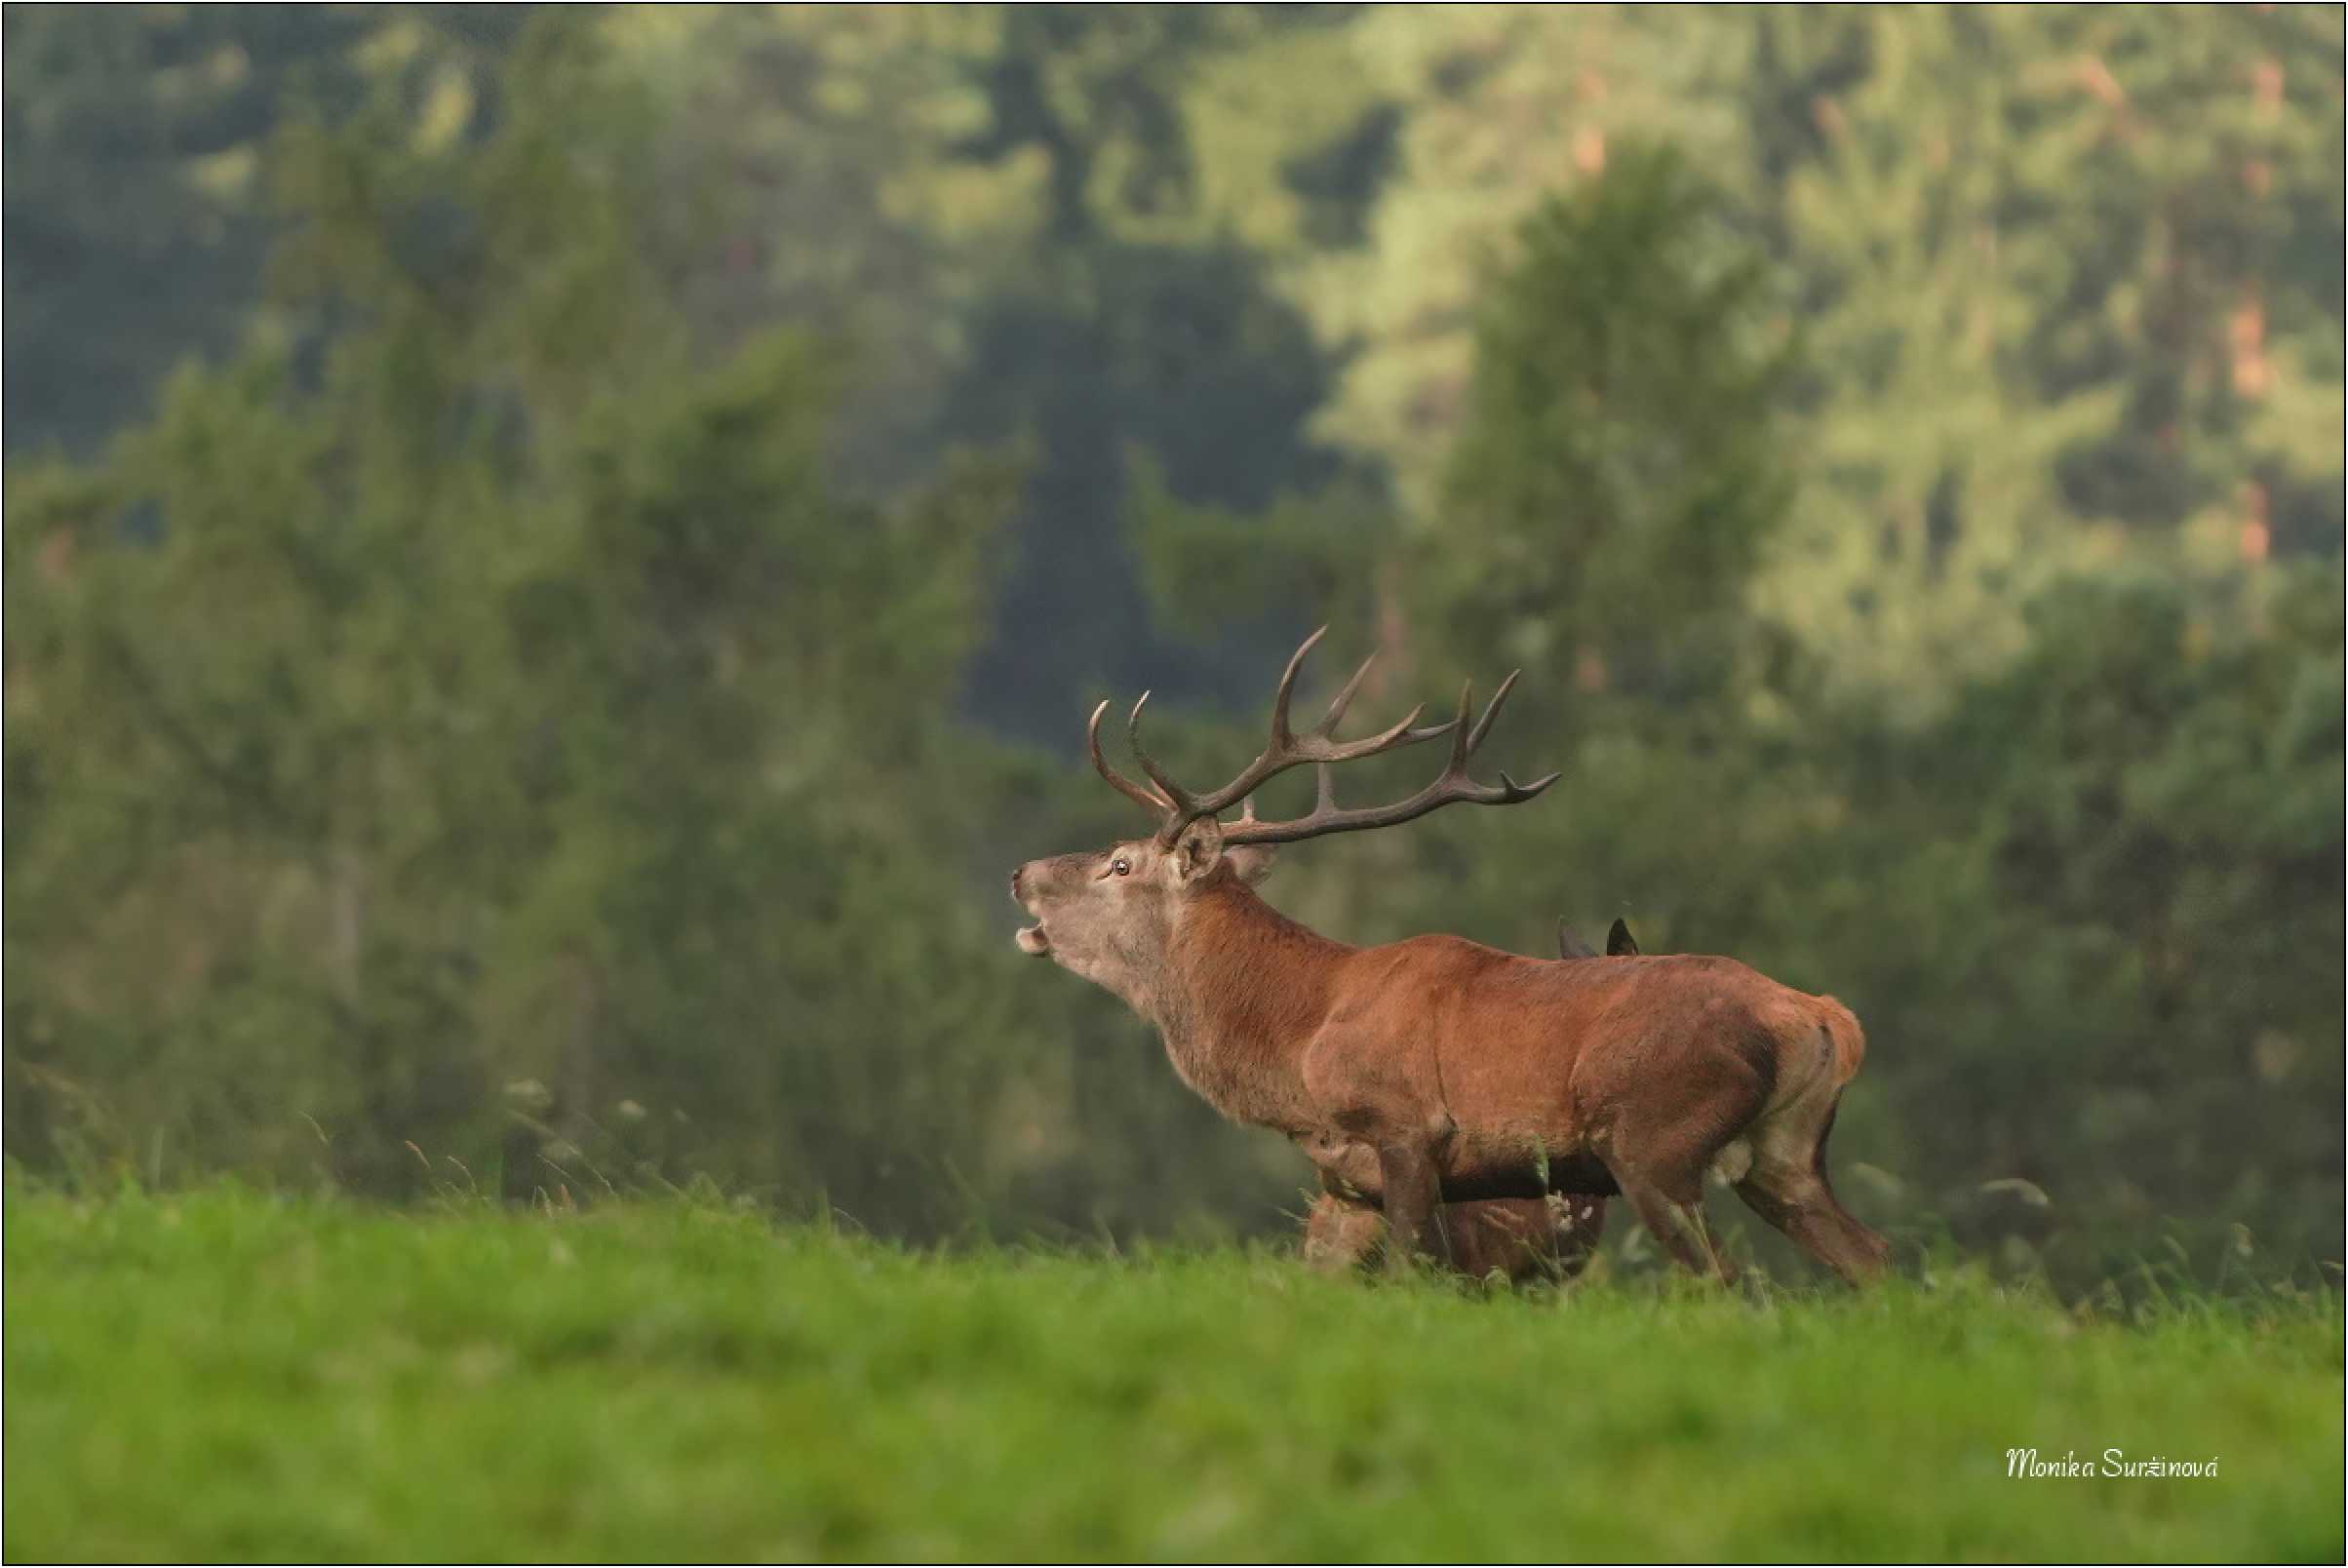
1031 940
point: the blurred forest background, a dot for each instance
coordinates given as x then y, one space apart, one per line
554 559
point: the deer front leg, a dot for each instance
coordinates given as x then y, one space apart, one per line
1413 1191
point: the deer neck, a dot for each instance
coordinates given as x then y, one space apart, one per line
1245 989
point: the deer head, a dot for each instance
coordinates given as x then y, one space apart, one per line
1113 915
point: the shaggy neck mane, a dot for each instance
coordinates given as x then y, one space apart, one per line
1246 988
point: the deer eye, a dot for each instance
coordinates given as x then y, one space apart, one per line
1120 865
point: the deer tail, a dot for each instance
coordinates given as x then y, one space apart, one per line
1843 1033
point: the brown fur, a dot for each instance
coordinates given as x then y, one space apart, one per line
1439 1070
1553 1237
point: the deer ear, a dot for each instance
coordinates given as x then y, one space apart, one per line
1199 850
1251 863
1619 943
1570 944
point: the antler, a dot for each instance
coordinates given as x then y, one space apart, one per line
1140 795
1452 784
1283 750
1179 808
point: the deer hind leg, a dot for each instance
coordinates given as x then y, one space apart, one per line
1669 1202
1667 1138
1661 1169
1787 1187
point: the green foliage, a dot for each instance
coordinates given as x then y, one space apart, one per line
373 877
2157 819
2052 314
2067 277
1492 110
228 1376
1322 548
1181 356
1621 463
136 151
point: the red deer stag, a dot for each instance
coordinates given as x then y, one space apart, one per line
1435 1069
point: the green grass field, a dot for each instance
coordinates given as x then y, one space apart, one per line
224 1375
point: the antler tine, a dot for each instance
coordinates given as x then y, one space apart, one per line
1462 739
1283 750
1181 807
1450 784
1475 736
1327 728
1287 688
1149 800
1319 744
1322 744
1317 747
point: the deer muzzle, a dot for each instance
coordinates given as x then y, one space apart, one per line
1031 938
